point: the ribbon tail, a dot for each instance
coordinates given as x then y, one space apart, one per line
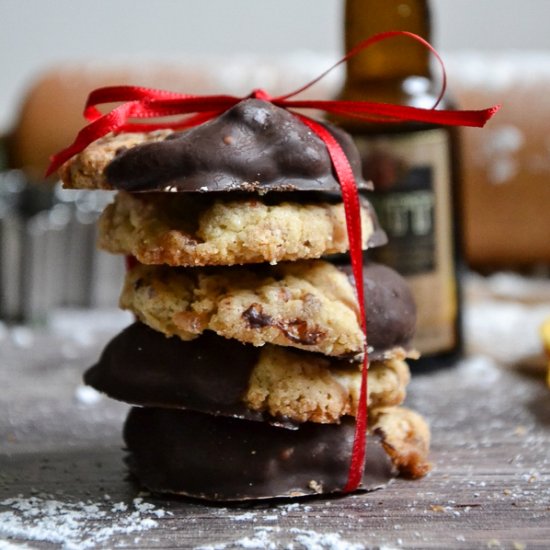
350 197
115 94
110 122
395 113
359 449
366 43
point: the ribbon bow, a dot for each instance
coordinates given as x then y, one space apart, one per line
142 103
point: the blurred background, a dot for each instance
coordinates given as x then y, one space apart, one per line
36 35
53 53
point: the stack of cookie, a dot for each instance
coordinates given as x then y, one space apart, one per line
244 363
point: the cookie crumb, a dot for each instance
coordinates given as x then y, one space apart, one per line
437 508
315 486
520 431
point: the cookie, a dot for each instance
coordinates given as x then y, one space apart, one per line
252 147
306 305
219 458
405 437
306 387
183 229
224 377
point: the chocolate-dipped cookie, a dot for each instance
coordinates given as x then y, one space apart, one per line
219 458
218 376
307 305
254 146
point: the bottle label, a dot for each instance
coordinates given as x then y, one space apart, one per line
411 174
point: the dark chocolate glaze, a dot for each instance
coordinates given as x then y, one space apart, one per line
254 147
218 458
391 310
144 367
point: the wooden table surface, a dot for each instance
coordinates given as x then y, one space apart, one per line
63 482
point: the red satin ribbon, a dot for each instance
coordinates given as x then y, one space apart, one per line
141 103
352 209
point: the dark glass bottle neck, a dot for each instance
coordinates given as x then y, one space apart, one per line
390 60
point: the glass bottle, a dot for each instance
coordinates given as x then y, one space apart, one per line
413 167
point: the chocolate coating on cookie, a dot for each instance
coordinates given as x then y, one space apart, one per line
254 146
144 367
391 310
218 458
394 324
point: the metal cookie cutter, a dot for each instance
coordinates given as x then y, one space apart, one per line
48 257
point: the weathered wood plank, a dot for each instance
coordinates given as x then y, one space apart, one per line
490 485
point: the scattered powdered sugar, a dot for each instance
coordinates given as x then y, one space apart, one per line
248 516
480 369
504 316
498 72
260 539
302 539
500 150
82 326
311 540
73 525
22 337
512 286
5 545
86 395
